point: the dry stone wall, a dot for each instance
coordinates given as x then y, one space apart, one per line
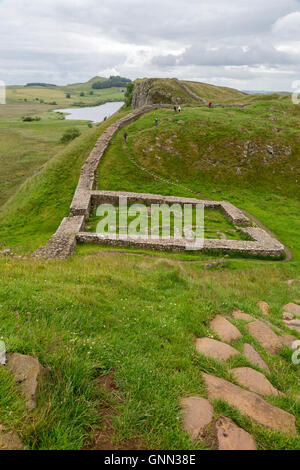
63 243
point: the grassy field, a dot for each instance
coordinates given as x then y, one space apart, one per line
58 94
216 224
134 316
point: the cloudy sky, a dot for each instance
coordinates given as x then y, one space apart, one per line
250 45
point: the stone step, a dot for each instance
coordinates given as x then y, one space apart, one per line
250 404
240 315
215 349
231 437
254 381
224 329
197 414
253 356
265 336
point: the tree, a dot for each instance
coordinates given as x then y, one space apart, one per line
129 93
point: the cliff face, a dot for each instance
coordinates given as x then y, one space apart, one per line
155 91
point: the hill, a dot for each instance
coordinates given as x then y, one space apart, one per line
173 91
116 328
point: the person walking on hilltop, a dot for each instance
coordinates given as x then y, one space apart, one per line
125 137
156 122
175 108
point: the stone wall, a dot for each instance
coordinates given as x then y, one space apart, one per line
63 243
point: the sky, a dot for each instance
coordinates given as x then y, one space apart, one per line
249 45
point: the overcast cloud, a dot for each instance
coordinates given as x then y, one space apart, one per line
249 45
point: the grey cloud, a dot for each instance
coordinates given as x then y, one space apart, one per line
75 39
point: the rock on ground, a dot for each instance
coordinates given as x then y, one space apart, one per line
215 349
224 329
27 371
250 404
197 414
10 440
288 316
254 381
231 437
265 336
288 340
253 356
264 307
292 308
293 324
240 315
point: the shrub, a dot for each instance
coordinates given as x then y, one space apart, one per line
69 135
82 93
68 96
30 118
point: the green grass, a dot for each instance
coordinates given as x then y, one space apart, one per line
216 224
18 94
27 146
203 156
136 315
45 198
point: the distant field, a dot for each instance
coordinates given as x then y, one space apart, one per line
17 95
26 146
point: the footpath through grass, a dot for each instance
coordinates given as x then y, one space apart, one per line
135 318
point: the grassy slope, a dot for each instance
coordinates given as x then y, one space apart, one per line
45 198
101 312
214 93
98 313
27 146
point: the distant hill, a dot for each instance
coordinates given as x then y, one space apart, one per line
39 84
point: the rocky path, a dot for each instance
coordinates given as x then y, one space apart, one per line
249 390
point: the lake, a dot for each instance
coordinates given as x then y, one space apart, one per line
92 113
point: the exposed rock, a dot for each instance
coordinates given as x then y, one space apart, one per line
28 372
290 281
288 340
294 324
288 316
292 308
197 414
224 329
254 381
265 336
231 437
255 358
264 307
215 349
240 315
9 440
250 404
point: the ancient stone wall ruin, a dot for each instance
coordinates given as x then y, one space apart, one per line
63 243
